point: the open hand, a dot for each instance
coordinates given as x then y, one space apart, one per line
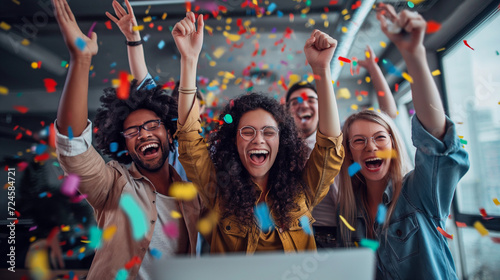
319 49
125 21
369 60
78 43
188 37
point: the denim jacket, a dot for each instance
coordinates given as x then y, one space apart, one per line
412 247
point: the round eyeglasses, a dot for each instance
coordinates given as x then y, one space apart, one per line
134 130
248 133
381 139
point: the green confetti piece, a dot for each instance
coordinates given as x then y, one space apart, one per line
463 141
135 215
122 274
410 4
95 238
372 244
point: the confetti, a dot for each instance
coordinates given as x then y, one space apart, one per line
77 199
161 44
386 154
381 214
354 168
483 212
495 239
467 44
135 214
346 60
108 24
343 93
21 109
70 133
372 244
231 37
228 118
183 190
480 228
436 72
113 147
80 43
122 274
108 233
50 85
156 253
32 228
89 34
70 185
432 27
304 223
123 90
171 229
4 90
460 224
271 8
444 233
176 215
5 26
346 223
495 200
95 237
263 216
407 77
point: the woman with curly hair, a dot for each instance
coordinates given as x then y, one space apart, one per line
257 156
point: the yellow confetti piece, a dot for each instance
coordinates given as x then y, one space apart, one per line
383 44
228 75
223 87
81 250
386 154
367 54
326 24
231 37
343 93
347 17
33 238
294 78
183 190
115 83
407 77
247 23
34 65
480 228
436 72
209 29
175 214
138 28
441 49
312 21
147 19
219 52
368 79
341 63
4 90
272 36
108 232
310 79
238 81
344 12
229 20
324 16
344 29
347 224
164 16
495 200
354 107
228 27
359 98
5 26
65 228
16 2
85 241
206 224
371 109
38 263
25 42
91 67
305 10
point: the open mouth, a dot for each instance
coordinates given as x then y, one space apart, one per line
304 117
258 157
149 149
373 164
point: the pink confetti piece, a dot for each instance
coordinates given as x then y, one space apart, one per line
77 199
171 229
32 228
70 185
91 29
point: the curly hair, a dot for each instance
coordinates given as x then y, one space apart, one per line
235 188
113 112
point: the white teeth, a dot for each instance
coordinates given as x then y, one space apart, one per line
305 115
372 159
149 146
258 152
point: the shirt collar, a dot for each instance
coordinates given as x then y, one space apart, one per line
138 175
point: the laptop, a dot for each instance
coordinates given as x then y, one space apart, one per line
356 263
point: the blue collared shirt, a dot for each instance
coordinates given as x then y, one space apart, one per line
411 247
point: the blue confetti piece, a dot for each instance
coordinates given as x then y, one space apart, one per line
121 153
113 65
381 213
71 274
304 223
161 44
76 229
40 148
95 237
150 86
156 253
80 43
70 133
271 7
279 13
146 37
135 215
81 256
72 240
230 59
84 219
354 168
44 194
228 118
174 119
264 219
122 274
208 56
300 100
174 57
113 147
391 69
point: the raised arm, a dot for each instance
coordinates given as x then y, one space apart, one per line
73 106
426 99
189 39
384 94
126 22
319 49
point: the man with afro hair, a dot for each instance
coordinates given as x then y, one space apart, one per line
137 131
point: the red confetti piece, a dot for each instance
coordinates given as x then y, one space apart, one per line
381 93
19 136
132 262
42 157
69 253
460 224
465 42
444 233
17 213
484 214
495 239
39 64
50 85
432 27
160 28
396 87
22 165
108 24
304 96
346 60
28 132
21 109
188 6
123 90
333 2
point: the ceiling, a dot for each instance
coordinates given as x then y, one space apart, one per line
34 36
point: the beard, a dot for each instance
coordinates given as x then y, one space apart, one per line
157 164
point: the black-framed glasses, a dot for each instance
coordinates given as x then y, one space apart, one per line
248 133
294 102
134 130
381 140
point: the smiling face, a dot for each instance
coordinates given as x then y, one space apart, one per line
149 149
373 168
257 155
304 112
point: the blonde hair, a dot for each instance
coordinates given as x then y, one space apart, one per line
355 186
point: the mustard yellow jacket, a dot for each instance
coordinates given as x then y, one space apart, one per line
230 236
